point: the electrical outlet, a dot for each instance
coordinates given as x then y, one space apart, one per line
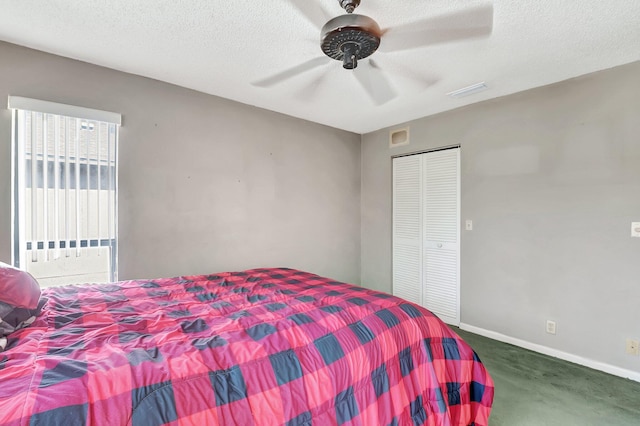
635 229
551 327
633 347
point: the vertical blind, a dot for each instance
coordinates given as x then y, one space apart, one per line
65 185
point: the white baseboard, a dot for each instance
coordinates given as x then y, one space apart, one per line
596 365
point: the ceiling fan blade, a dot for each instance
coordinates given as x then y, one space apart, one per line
310 90
311 10
374 82
291 72
418 79
469 23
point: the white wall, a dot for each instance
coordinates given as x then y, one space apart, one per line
551 180
206 184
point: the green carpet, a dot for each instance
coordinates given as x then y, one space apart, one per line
535 389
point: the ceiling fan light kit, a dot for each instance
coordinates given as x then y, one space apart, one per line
349 38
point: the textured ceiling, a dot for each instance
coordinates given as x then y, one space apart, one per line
225 47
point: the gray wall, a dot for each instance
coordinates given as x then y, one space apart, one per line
551 180
206 184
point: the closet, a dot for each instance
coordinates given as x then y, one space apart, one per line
426 231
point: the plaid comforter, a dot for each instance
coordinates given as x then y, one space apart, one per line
260 347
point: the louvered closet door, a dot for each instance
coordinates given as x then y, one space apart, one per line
426 235
441 234
407 228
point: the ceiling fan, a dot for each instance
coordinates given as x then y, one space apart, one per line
351 37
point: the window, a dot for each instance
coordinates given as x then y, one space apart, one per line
64 192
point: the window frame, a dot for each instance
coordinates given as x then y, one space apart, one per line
27 105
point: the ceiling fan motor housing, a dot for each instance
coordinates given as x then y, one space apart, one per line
349 38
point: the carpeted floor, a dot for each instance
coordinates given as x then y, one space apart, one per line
535 389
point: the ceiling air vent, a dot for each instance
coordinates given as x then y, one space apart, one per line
469 90
399 137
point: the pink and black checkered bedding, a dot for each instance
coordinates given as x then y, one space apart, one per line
260 347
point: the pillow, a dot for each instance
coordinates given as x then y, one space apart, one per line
13 318
18 288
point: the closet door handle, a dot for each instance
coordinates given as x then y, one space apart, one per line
439 245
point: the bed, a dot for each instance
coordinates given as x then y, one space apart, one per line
260 347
